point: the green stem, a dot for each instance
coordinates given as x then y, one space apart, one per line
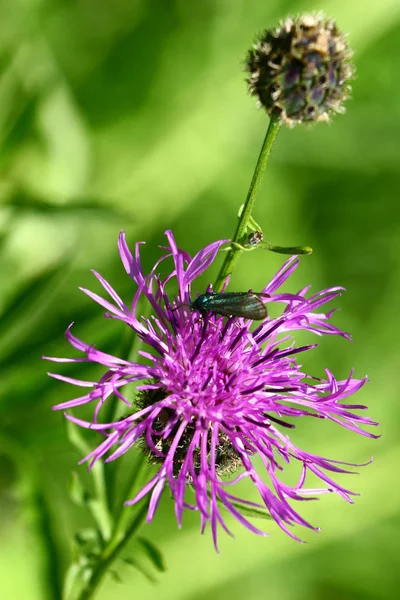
109 554
245 217
121 534
98 505
122 520
105 519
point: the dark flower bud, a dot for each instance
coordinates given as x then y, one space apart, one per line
300 70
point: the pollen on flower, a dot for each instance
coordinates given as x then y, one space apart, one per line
300 71
215 393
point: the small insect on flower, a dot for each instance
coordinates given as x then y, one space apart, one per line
255 237
233 304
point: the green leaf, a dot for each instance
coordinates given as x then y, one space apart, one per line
46 529
77 492
248 247
100 513
23 202
285 250
75 437
88 536
28 306
116 576
132 562
248 511
71 578
252 511
97 502
38 513
153 554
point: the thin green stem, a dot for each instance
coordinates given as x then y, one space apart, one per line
104 515
109 554
245 217
123 517
122 532
98 505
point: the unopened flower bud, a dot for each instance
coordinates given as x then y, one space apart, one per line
300 71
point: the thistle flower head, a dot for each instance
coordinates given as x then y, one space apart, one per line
214 394
300 71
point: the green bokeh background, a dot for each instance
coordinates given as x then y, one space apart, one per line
133 115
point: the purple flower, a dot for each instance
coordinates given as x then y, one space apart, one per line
215 393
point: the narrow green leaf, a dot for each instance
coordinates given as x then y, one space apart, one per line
28 306
132 562
250 247
100 513
286 250
153 554
249 511
77 492
71 578
24 201
116 576
46 531
75 437
36 508
23 298
88 536
97 502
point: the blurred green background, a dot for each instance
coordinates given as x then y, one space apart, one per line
133 115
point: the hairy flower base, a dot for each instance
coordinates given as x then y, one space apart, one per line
216 394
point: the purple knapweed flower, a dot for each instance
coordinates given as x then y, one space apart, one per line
215 393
